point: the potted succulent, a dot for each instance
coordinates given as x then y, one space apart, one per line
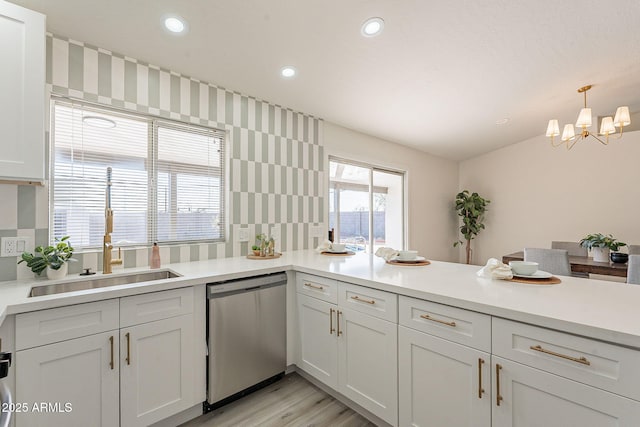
600 245
256 250
53 259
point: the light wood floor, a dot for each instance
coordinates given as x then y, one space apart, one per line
292 401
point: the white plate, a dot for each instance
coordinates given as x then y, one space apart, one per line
537 275
416 259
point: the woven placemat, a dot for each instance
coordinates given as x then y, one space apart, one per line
278 255
347 253
553 280
411 264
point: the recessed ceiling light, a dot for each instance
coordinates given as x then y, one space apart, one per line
288 72
372 27
503 121
98 122
174 24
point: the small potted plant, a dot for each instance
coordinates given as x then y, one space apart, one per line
256 250
600 245
51 258
262 242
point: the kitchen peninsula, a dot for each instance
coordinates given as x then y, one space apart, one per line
545 330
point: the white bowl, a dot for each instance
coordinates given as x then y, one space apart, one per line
338 247
407 255
523 268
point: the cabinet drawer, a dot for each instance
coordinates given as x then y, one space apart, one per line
317 287
606 366
371 301
144 308
454 324
64 323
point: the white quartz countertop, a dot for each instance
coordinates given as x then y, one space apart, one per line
607 311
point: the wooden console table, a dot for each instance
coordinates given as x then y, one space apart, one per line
581 264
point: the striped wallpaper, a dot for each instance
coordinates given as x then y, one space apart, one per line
276 158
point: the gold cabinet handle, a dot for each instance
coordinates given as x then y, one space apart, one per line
498 396
583 360
111 363
427 317
338 313
312 286
331 328
368 301
128 359
480 389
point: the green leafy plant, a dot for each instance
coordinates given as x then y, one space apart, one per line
599 240
471 207
255 248
51 256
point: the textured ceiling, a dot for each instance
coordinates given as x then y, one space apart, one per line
436 79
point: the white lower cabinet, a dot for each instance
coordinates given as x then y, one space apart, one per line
69 383
525 396
367 363
130 376
157 372
352 352
318 343
442 383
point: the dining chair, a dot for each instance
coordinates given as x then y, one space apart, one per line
554 261
573 248
634 249
633 270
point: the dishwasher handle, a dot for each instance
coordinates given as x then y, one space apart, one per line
217 290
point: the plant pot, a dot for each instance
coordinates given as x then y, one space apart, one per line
600 254
256 252
619 257
57 274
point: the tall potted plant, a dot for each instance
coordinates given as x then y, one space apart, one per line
471 207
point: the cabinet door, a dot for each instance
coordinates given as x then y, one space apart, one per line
442 383
318 344
368 363
72 383
157 373
22 79
534 398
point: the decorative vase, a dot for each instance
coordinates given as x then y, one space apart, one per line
59 273
600 254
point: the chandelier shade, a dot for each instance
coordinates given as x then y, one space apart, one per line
608 125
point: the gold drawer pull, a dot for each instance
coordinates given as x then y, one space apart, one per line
368 301
312 286
480 389
338 313
331 328
427 317
111 363
498 395
583 360
128 358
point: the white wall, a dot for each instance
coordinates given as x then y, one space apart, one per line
432 184
539 193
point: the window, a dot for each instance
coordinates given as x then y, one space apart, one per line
167 177
366 205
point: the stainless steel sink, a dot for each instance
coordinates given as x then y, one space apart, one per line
101 282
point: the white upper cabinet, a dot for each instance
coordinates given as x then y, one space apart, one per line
22 85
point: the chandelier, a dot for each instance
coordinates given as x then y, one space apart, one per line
607 127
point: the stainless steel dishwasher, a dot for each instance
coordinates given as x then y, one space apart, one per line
247 335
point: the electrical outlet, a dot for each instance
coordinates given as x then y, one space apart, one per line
243 234
13 246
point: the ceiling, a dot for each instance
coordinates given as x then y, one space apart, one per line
436 79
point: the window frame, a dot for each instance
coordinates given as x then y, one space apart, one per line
153 167
371 190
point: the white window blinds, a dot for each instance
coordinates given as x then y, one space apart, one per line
167 185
